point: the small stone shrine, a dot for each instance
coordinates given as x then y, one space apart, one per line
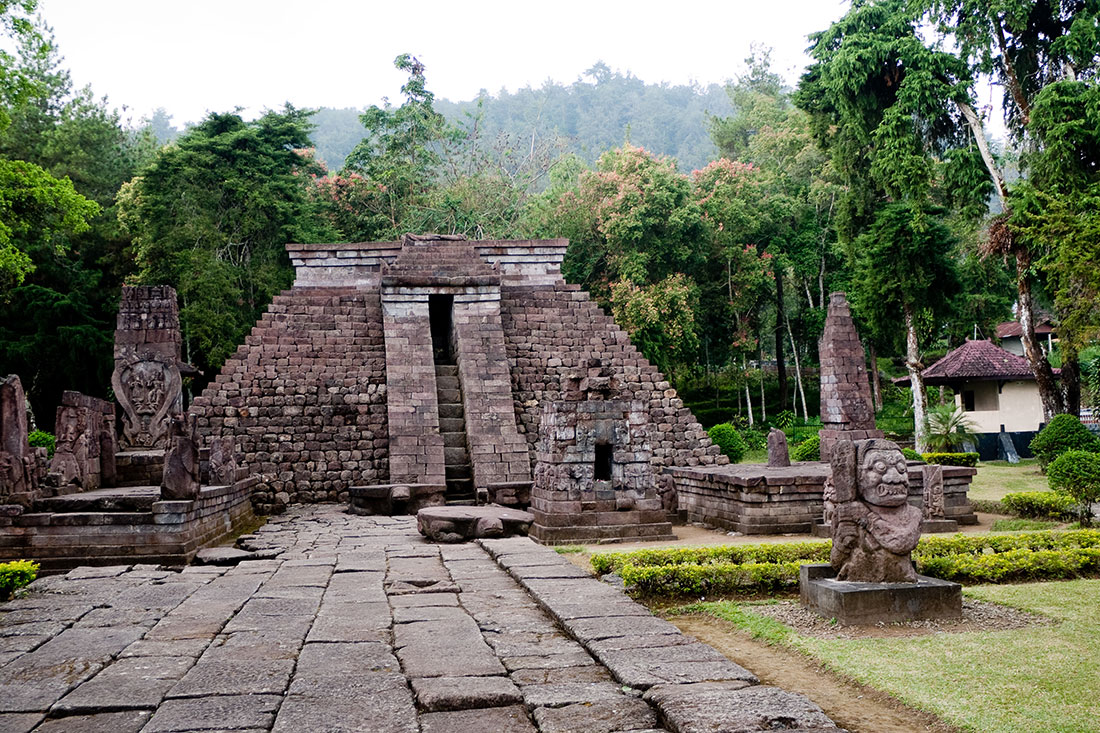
846 408
593 476
871 577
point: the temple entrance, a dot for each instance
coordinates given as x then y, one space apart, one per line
440 308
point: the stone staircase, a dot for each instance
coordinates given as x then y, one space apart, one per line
452 425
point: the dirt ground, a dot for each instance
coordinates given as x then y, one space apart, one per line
858 708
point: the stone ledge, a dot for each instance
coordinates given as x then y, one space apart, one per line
857 603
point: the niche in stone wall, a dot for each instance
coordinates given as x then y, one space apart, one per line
601 469
440 310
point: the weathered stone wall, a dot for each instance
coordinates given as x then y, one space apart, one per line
305 397
554 330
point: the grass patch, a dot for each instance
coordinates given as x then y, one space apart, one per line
761 628
755 456
997 478
569 549
1041 678
1022 525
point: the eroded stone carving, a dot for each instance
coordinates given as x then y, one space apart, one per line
778 455
223 461
181 460
18 471
147 379
932 476
874 526
84 452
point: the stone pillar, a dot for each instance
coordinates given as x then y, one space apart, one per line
17 462
146 379
846 408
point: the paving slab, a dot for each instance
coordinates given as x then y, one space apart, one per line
696 708
436 694
624 714
216 712
130 721
512 719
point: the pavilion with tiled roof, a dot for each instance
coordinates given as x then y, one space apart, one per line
995 387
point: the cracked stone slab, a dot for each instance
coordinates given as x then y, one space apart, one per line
624 714
130 721
548 661
512 719
131 683
560 675
593 629
560 694
214 713
436 694
707 707
234 677
379 702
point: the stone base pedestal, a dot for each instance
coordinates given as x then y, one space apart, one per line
601 527
938 526
872 603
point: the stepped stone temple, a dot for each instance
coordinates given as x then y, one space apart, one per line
406 374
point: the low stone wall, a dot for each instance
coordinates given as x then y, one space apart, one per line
170 534
956 484
752 498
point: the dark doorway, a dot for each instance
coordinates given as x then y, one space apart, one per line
439 316
602 470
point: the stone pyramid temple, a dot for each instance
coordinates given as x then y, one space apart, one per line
453 368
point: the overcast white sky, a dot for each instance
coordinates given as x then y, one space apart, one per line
202 55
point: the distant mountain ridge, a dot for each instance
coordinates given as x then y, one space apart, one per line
601 110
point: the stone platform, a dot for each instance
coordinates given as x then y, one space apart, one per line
462 523
361 624
124 525
873 603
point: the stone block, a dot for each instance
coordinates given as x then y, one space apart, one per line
872 603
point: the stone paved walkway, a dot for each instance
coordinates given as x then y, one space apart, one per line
361 625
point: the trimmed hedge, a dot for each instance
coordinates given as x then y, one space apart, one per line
951 459
1076 473
775 567
14 575
726 437
608 562
1039 505
807 450
912 455
1063 433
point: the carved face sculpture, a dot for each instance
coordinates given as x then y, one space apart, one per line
883 477
147 388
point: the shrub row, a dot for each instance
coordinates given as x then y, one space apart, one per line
951 459
1039 504
14 575
774 552
774 567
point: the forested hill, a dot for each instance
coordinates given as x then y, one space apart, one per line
597 112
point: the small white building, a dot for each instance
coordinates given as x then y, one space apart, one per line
1010 335
996 389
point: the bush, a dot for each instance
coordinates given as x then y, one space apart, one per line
951 459
988 506
1076 473
42 439
607 562
754 439
14 575
726 437
1039 505
949 428
807 450
911 455
1063 433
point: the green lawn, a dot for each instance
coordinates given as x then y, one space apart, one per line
997 478
1042 678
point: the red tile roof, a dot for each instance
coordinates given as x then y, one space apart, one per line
1012 329
978 360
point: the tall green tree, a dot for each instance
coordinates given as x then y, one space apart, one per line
1027 46
879 99
211 216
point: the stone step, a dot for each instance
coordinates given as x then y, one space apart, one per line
451 411
456 439
446 370
457 471
452 425
446 382
450 396
455 456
